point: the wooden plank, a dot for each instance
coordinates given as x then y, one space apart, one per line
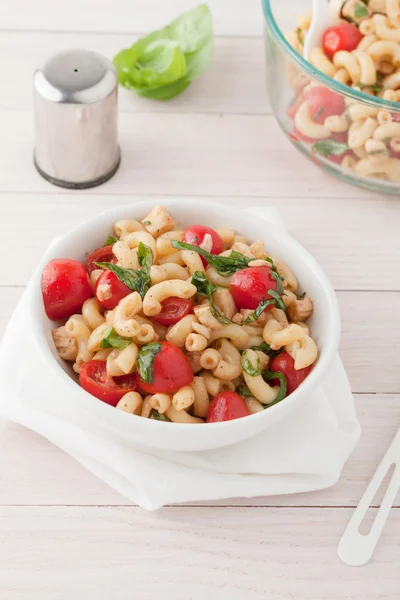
318 223
237 18
233 83
41 474
364 348
181 554
175 154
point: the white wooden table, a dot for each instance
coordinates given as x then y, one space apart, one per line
63 533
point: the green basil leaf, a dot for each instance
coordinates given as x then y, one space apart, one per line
110 240
139 281
268 375
160 416
279 303
225 265
162 64
145 361
259 310
360 10
243 391
266 348
299 34
146 222
145 256
329 147
375 87
248 368
319 113
206 288
111 339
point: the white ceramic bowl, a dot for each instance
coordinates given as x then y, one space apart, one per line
324 325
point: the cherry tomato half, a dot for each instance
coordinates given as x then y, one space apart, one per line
195 235
104 254
324 103
94 379
284 363
109 290
226 407
173 310
171 371
344 36
250 286
65 287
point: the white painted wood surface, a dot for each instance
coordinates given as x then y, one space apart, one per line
63 533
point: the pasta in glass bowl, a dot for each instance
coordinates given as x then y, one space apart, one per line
184 324
341 109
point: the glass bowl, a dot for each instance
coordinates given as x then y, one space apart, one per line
344 154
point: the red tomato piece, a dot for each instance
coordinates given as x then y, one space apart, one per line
65 287
284 363
324 103
344 36
112 290
173 310
250 286
95 380
195 235
104 254
226 407
171 371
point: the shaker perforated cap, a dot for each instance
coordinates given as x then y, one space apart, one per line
75 107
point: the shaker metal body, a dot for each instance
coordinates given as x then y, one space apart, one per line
75 107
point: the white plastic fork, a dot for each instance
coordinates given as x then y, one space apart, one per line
324 14
356 549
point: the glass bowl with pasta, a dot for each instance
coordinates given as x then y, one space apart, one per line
342 108
153 318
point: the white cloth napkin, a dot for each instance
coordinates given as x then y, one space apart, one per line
303 452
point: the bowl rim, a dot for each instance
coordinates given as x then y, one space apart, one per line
299 396
315 73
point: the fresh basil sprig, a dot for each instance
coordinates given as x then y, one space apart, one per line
268 375
206 288
360 10
224 265
329 147
160 416
111 339
248 367
134 279
110 240
145 361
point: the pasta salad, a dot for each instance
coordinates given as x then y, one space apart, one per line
361 50
189 326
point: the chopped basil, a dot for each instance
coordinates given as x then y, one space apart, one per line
299 33
145 361
374 152
145 256
146 222
160 416
375 87
266 348
206 288
248 367
360 10
225 265
259 310
329 147
111 339
243 391
110 240
318 114
268 375
136 280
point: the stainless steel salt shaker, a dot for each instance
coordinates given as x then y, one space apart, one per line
75 107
